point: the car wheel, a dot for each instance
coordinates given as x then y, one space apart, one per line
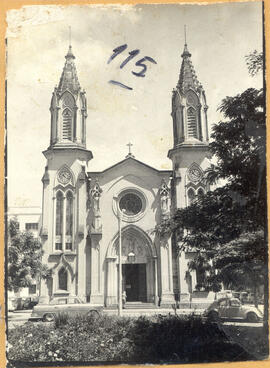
93 313
213 316
48 317
252 317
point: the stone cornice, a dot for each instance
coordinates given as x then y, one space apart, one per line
183 147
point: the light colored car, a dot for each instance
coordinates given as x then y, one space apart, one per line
12 305
232 308
71 305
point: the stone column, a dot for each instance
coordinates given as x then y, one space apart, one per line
80 235
206 122
111 297
182 281
96 296
81 267
167 296
155 281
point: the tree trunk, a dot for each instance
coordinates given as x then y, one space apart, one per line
255 289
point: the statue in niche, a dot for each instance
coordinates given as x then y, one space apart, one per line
164 192
95 195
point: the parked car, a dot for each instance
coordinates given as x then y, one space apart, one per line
232 308
241 295
70 305
12 304
225 294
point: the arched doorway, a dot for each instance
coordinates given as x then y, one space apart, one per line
139 268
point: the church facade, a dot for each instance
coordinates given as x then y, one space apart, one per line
87 216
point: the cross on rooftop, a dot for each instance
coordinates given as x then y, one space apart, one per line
129 150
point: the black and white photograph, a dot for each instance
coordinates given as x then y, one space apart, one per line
136 208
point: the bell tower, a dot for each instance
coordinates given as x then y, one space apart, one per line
64 206
189 157
190 133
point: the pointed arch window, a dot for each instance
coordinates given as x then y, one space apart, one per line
59 220
191 196
69 220
63 279
64 221
200 192
192 130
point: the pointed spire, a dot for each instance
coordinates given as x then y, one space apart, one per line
187 77
69 79
186 53
70 55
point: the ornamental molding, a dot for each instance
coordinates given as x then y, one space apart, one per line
164 192
129 218
64 176
195 173
46 177
63 262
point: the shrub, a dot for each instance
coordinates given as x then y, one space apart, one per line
61 319
155 339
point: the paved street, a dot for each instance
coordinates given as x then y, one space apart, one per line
20 317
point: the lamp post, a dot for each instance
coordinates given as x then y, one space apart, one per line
120 264
119 216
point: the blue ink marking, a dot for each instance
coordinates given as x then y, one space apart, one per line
132 54
117 51
140 63
120 84
150 59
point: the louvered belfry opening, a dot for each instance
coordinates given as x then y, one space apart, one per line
67 125
192 130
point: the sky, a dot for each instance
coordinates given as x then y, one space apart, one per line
218 37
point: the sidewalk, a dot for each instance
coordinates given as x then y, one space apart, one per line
154 311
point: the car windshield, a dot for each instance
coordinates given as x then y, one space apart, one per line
235 303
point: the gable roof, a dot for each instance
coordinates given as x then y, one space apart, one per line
129 158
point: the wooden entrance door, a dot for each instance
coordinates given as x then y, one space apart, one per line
134 282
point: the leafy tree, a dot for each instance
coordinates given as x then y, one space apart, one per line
226 226
24 258
254 62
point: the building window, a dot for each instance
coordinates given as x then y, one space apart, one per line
64 221
59 220
69 220
191 196
200 192
191 123
62 279
31 226
200 276
130 204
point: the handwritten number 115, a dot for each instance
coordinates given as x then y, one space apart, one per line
132 54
